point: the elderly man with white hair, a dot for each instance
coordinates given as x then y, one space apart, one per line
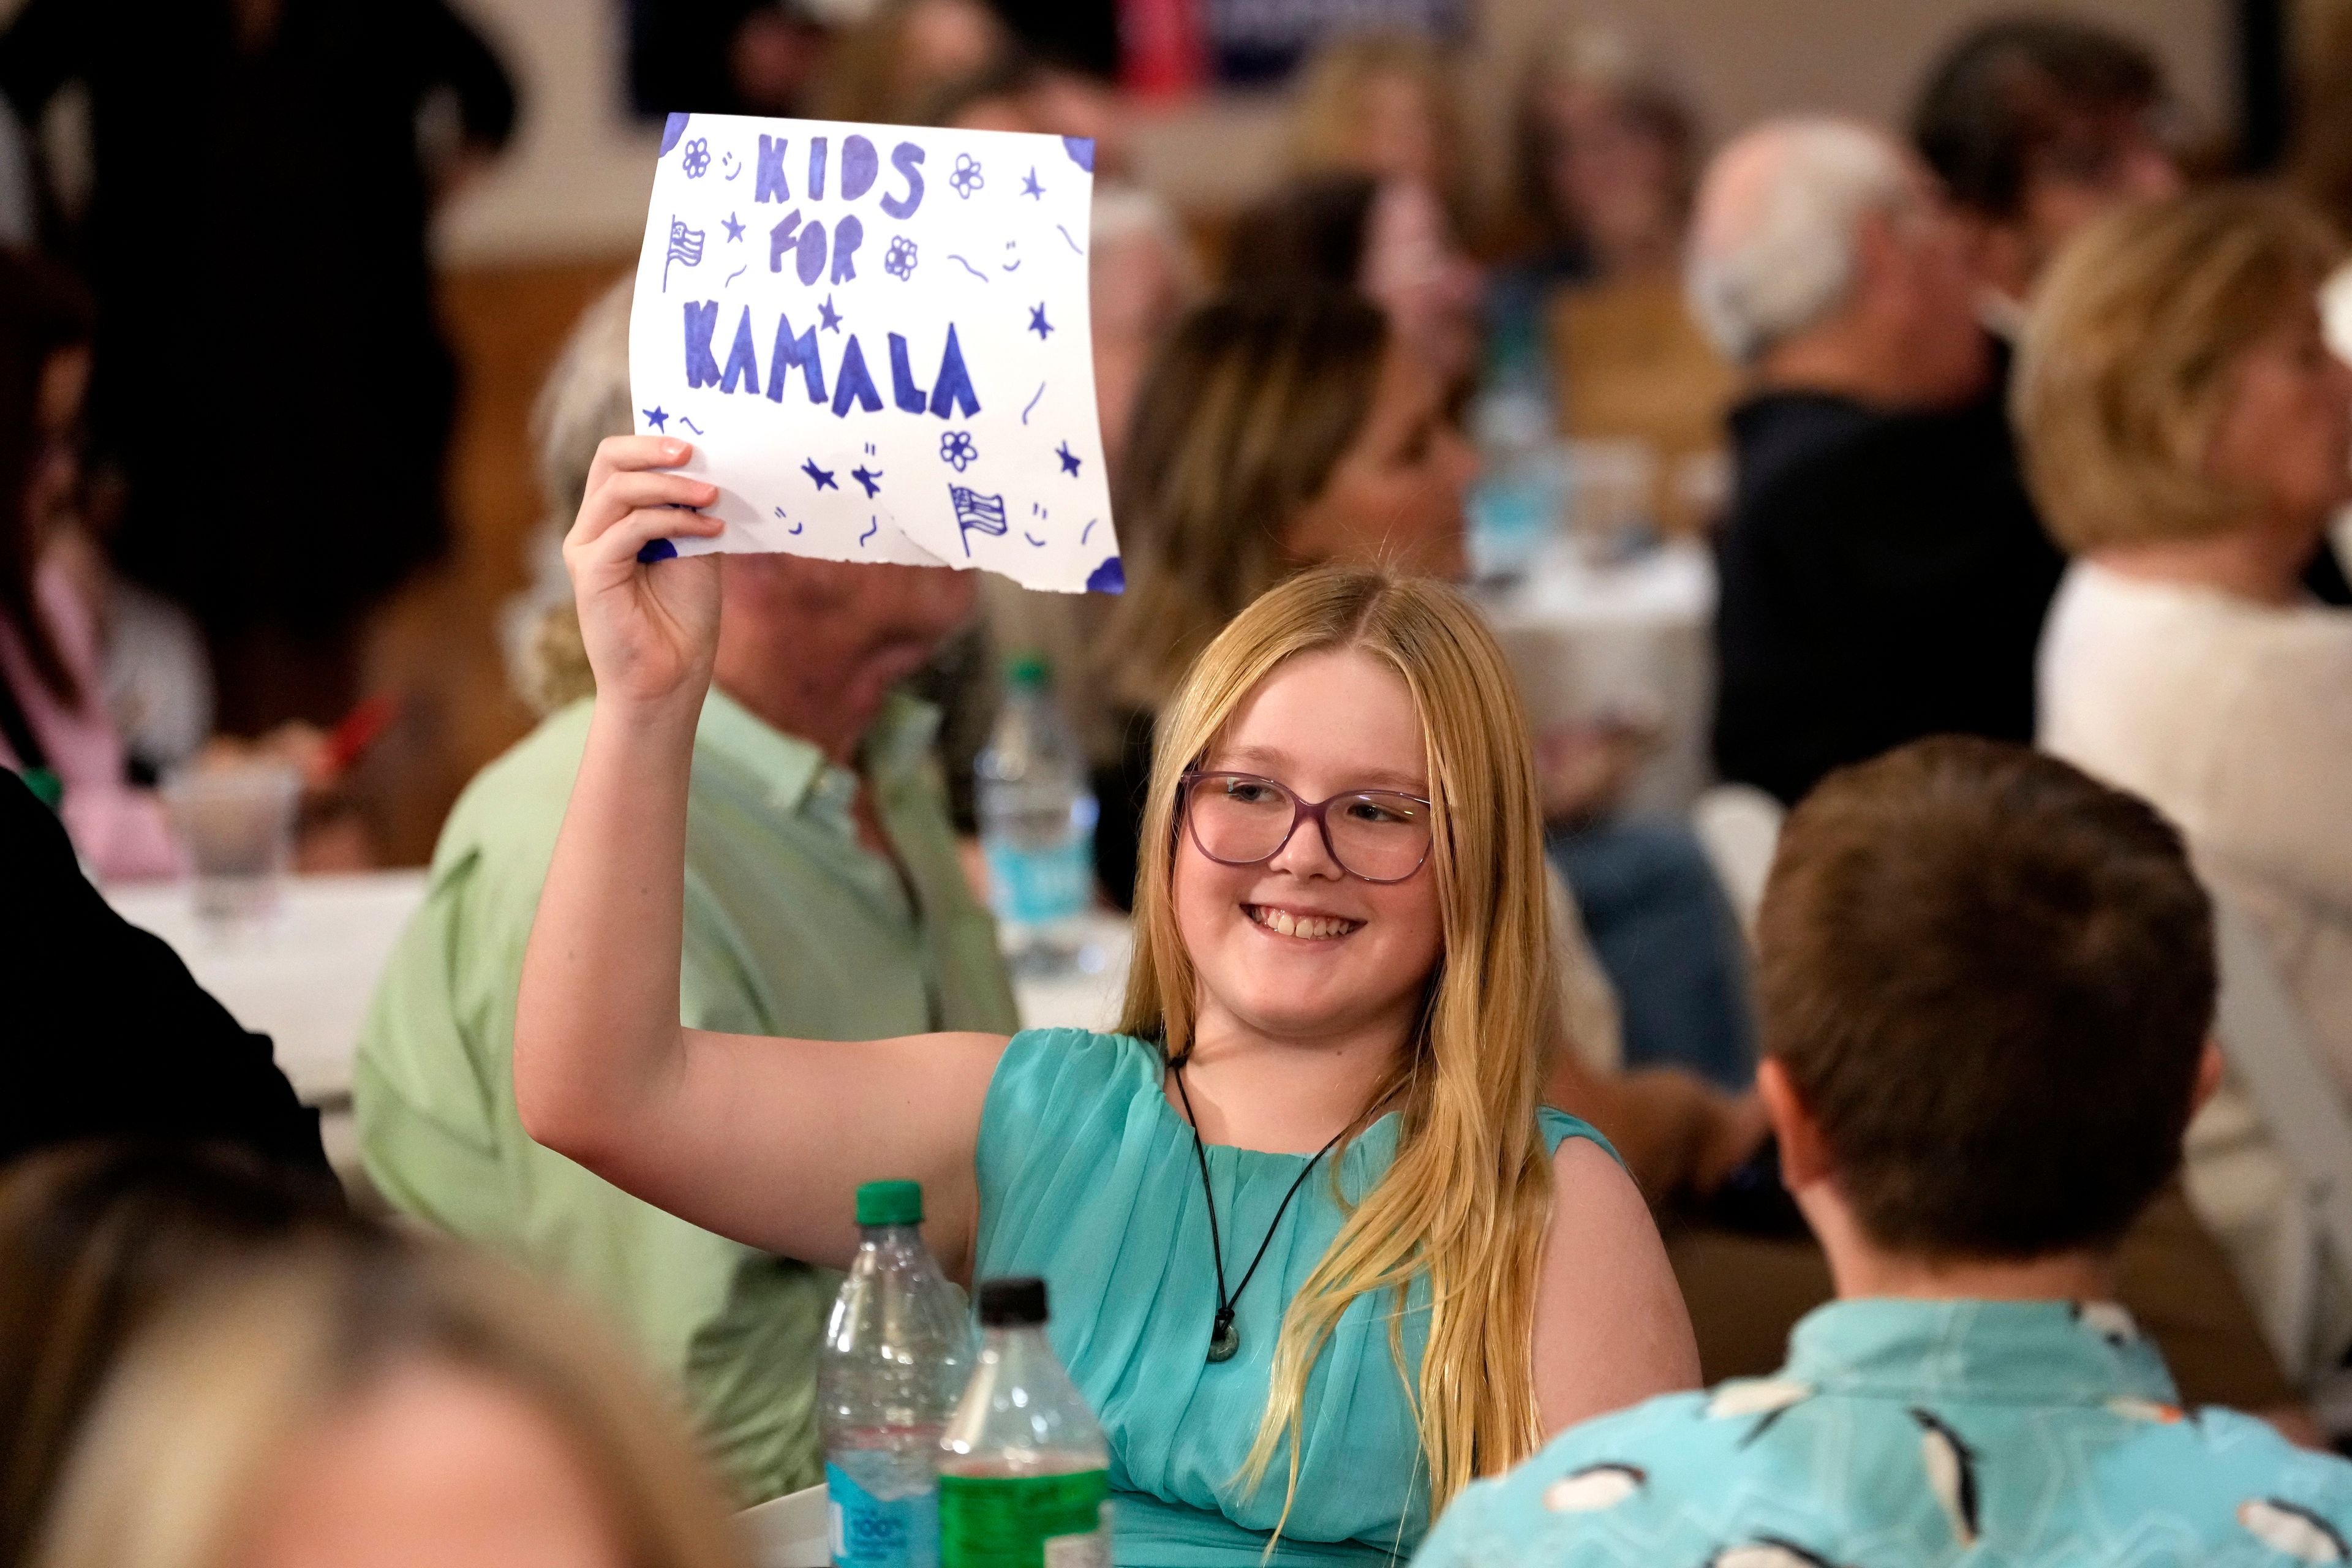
1885 575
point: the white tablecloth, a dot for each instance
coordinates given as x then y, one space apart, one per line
1586 640
305 978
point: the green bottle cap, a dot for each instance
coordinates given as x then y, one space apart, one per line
891 1203
1029 672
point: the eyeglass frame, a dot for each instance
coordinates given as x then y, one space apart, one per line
1300 809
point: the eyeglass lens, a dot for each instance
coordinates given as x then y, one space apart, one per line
1378 834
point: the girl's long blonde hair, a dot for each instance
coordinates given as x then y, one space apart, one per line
1465 1202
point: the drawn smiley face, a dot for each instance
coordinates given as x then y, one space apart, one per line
1012 262
730 165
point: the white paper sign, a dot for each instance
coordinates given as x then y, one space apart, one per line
876 338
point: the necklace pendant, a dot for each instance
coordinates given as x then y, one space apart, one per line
1224 1338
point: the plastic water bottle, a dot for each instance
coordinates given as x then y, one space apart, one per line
1516 503
897 1351
1024 1472
1037 826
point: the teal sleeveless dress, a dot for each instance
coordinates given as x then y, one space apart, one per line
1087 1179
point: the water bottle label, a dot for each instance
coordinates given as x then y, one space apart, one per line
1038 887
1025 1522
875 1532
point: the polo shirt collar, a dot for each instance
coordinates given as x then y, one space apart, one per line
792 773
2016 1352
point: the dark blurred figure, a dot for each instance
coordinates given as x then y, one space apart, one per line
721 57
55 727
93 1240
103 1033
1883 573
2036 125
2319 161
270 379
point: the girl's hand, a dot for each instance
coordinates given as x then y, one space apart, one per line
651 629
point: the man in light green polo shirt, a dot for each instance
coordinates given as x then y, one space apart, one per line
823 899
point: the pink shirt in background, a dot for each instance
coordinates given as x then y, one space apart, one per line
119 831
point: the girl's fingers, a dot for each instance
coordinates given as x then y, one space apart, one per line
618 545
629 491
616 454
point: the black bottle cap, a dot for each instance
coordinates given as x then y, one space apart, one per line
1018 1302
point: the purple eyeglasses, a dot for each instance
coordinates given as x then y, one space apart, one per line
1242 819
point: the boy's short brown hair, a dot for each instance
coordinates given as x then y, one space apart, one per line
1990 979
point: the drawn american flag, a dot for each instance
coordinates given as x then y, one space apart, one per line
974 511
685 244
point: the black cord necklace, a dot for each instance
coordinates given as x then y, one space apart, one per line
1224 1338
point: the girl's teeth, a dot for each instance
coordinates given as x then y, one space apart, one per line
1311 928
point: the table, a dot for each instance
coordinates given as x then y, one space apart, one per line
305 977
1585 640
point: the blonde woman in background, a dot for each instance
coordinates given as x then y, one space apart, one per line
1363 986
350 1402
2188 435
1380 104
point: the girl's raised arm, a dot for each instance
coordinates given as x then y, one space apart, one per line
761 1139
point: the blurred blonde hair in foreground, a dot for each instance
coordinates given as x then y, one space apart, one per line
245 1383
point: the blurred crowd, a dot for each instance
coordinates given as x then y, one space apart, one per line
2024 420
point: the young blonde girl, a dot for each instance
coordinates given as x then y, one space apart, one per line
1314 1146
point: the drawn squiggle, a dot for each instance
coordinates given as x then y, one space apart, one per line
690 424
1033 403
1065 235
873 526
967 266
1088 529
736 273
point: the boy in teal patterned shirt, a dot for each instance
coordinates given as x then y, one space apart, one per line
1985 984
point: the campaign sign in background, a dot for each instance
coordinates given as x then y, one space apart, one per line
876 338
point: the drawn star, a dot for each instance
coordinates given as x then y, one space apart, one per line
864 477
1038 323
832 322
1030 187
823 477
1069 458
655 417
734 229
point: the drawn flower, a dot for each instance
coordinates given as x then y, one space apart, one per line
956 447
899 260
698 158
966 178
